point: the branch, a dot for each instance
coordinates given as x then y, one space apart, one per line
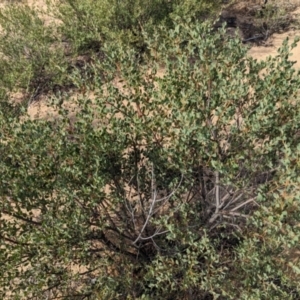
162 201
217 197
244 203
217 192
22 218
154 194
13 241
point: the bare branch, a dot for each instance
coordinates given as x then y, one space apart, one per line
243 204
152 209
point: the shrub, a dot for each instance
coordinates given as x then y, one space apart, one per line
39 49
88 24
32 59
275 17
160 186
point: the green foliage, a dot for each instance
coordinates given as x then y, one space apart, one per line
171 179
88 24
31 58
40 48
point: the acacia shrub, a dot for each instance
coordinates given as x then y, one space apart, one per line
162 186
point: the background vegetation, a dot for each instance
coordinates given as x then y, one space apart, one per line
169 168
